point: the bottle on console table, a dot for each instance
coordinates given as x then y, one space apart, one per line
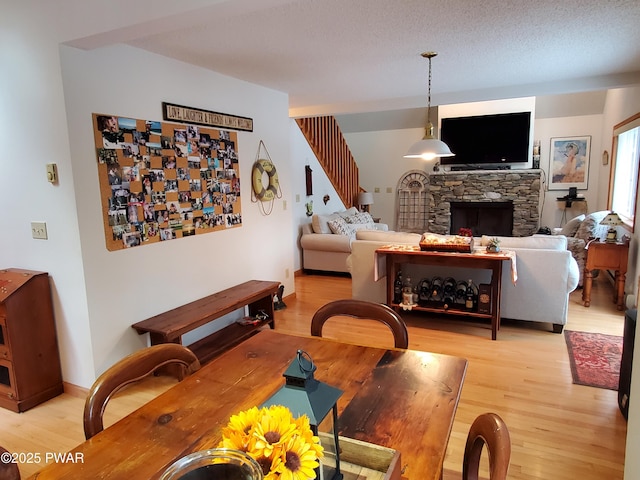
397 288
471 297
448 292
436 289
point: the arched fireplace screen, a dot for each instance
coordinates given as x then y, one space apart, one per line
411 206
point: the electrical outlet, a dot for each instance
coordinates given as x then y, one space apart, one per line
286 273
376 190
297 198
284 204
389 189
39 230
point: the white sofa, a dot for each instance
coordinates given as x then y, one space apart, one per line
324 250
547 274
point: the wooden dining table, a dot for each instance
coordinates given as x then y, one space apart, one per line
401 399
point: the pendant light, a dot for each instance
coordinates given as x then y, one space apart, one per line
429 147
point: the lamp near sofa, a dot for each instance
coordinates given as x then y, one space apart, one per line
364 200
612 220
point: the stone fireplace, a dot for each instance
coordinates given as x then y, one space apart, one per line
517 190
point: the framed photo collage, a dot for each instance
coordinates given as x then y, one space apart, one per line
163 181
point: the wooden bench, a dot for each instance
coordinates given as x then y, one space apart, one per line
168 327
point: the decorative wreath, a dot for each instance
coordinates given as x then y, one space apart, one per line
260 192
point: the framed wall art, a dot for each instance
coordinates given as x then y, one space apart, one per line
569 162
163 181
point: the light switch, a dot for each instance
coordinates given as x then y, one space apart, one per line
52 173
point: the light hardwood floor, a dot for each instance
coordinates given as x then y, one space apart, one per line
558 430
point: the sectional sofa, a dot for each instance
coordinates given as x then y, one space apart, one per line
547 274
326 240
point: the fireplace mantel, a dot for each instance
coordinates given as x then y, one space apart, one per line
521 187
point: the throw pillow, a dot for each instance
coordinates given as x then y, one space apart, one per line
361 218
348 212
340 227
320 223
571 227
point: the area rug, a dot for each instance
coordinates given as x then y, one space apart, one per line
594 358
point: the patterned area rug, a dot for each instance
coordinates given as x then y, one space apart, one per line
594 358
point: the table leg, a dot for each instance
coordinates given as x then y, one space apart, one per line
496 286
619 297
586 291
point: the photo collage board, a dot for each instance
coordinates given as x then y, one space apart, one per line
163 181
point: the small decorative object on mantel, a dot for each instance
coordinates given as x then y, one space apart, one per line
309 207
326 199
262 193
494 245
310 402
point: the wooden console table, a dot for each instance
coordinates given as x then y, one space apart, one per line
606 256
168 327
396 256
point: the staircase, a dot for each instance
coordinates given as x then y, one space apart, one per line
325 139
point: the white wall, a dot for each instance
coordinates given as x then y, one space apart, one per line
129 285
302 155
545 129
381 164
620 105
47 95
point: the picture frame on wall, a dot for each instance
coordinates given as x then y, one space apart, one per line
569 162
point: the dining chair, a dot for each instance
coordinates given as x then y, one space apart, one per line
490 430
8 469
363 310
130 370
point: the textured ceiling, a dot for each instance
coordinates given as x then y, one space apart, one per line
349 56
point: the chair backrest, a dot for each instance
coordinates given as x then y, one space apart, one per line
491 430
8 469
129 370
364 310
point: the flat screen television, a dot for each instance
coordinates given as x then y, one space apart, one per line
498 139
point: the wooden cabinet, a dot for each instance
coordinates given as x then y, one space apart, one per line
30 370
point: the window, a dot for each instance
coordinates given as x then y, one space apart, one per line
624 170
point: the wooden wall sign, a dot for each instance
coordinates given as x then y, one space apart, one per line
162 181
198 116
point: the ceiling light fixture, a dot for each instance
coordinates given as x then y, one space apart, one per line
429 147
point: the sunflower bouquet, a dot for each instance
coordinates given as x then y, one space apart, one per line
285 447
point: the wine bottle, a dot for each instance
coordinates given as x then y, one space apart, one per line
461 292
448 292
424 292
397 288
436 289
407 291
471 298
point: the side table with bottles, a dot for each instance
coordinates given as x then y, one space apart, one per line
396 257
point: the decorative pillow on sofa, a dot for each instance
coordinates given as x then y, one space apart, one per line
591 228
571 227
361 218
340 227
320 222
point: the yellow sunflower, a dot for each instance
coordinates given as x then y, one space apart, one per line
304 430
298 462
272 430
238 433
